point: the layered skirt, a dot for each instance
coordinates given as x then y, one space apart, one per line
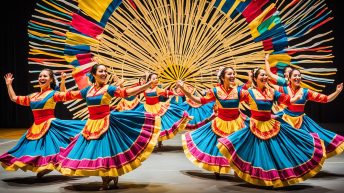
272 153
201 114
200 146
334 143
173 118
128 140
39 147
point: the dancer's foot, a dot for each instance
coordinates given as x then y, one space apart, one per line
42 173
217 175
115 181
236 175
159 144
106 183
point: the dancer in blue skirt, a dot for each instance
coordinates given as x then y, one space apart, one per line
294 113
200 145
38 149
270 152
173 117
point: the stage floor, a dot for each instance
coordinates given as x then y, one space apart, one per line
167 171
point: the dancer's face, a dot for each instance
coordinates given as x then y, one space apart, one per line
229 77
287 71
154 77
44 79
142 81
262 78
101 75
295 78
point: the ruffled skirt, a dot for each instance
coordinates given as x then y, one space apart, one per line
40 154
200 146
129 140
289 157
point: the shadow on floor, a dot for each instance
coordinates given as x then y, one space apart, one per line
325 174
297 187
211 176
122 186
33 181
168 148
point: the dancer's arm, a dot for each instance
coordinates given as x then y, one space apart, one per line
279 80
196 99
71 95
9 79
63 82
318 97
138 89
334 95
285 98
267 68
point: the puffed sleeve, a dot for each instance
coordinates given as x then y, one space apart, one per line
281 97
71 95
317 97
115 91
244 95
282 81
209 97
23 100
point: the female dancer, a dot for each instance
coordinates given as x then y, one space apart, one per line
200 145
294 113
37 150
201 114
111 143
173 117
270 152
131 102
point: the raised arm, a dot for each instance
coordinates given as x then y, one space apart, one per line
267 68
196 99
321 98
137 89
63 82
9 79
334 95
117 81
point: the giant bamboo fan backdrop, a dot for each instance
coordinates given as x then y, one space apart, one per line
186 40
180 39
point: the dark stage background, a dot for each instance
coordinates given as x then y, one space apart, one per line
14 53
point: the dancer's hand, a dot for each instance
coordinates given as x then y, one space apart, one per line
298 96
267 55
8 78
250 75
146 74
63 76
179 84
339 87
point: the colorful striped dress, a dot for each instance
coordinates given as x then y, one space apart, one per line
173 117
270 152
200 145
111 143
294 115
38 148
